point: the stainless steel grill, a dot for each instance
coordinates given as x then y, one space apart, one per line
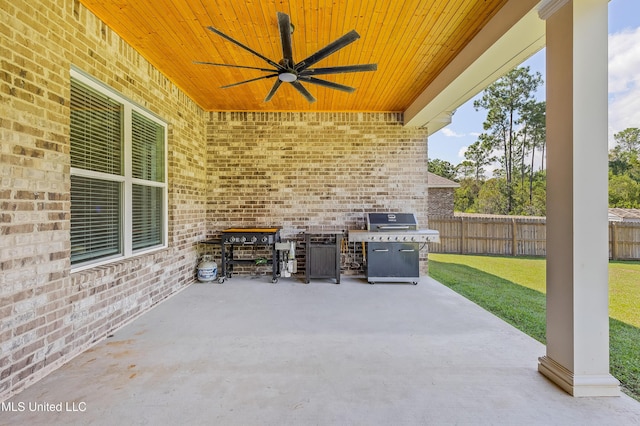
393 246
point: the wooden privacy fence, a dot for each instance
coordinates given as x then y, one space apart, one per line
624 240
518 236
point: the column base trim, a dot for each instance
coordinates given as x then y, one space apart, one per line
578 386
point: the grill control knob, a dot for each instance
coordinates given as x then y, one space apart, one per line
243 239
254 239
264 239
232 239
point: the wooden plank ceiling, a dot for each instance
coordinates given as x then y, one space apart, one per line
411 41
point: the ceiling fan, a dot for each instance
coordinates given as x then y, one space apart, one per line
288 71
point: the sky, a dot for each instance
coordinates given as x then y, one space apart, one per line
450 142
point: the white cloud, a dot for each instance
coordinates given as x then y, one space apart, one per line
462 151
624 80
451 133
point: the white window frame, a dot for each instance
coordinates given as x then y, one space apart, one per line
127 180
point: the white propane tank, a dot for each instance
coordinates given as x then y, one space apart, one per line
207 269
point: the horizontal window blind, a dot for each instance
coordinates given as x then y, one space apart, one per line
96 131
147 149
147 216
95 218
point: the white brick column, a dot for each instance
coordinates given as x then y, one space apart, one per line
577 357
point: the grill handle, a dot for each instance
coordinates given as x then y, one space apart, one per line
377 250
393 227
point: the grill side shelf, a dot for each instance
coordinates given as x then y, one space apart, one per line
418 236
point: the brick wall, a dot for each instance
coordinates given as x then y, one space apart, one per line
47 314
441 201
299 170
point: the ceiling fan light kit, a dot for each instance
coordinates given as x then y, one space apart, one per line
288 71
287 77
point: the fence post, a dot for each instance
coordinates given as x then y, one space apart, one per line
514 242
614 240
462 235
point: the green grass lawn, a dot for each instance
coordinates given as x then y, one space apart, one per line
513 288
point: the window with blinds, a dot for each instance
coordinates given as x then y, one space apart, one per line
147 216
148 149
95 219
118 170
96 131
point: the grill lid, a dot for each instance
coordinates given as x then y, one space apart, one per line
391 221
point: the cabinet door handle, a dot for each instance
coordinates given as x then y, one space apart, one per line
407 250
376 250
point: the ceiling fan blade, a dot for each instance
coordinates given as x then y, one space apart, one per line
329 84
249 81
273 90
333 47
339 70
248 49
304 92
234 66
284 23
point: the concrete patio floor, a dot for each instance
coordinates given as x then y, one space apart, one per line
249 352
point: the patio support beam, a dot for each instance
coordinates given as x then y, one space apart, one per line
577 357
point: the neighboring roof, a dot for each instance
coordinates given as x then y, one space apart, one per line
624 215
435 181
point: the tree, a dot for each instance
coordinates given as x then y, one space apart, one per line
478 154
534 137
442 168
466 169
624 169
624 192
624 158
466 195
491 197
628 140
531 198
507 102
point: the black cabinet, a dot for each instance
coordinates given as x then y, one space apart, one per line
322 254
